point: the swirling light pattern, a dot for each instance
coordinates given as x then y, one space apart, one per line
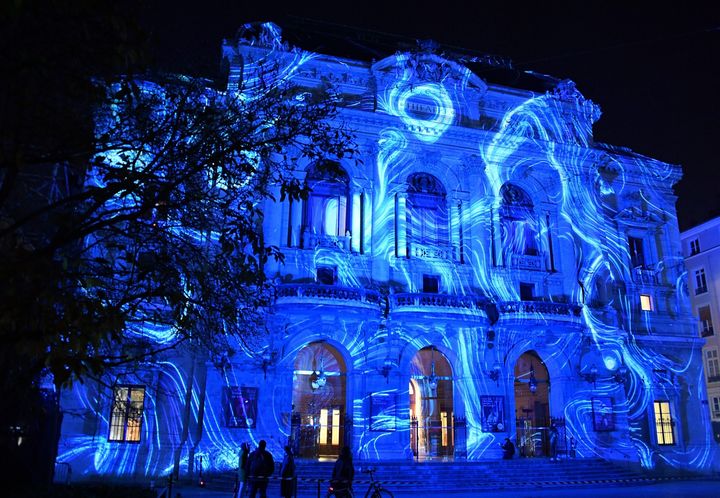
526 256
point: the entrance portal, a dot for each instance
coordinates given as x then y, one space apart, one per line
532 407
318 417
431 405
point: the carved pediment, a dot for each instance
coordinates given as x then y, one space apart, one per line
415 68
639 215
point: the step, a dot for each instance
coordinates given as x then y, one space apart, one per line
489 474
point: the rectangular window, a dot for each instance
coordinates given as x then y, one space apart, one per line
694 247
706 325
646 303
431 284
700 282
126 414
637 252
527 291
716 408
326 275
712 365
664 424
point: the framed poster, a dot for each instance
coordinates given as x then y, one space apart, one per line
492 413
240 406
602 413
382 412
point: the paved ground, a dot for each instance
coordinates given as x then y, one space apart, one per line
673 489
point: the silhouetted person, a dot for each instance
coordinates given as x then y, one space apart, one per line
553 442
343 473
260 467
242 487
287 473
508 449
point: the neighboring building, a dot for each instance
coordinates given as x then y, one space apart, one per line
485 250
701 248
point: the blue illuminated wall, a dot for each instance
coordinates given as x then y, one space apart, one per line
483 227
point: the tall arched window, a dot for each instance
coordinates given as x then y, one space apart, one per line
519 223
427 220
326 218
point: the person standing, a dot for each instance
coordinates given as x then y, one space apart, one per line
508 449
553 442
287 474
260 467
242 484
343 473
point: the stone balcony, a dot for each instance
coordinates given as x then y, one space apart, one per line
644 276
424 302
328 294
539 310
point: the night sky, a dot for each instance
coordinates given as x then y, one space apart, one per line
654 71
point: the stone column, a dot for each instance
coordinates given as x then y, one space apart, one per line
356 217
401 225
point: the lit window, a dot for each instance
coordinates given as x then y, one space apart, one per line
646 303
127 412
664 423
700 282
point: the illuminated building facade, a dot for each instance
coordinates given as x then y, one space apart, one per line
487 269
701 248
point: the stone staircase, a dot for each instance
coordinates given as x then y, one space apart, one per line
463 476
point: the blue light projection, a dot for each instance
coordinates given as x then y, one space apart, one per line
531 255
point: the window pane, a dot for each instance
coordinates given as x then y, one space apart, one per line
126 413
646 302
663 423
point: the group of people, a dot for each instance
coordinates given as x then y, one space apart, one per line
509 448
257 467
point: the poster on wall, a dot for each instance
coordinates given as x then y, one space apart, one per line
492 415
602 409
240 406
382 412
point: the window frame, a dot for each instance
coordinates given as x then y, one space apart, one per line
700 281
694 247
706 324
712 365
646 298
637 252
663 419
124 414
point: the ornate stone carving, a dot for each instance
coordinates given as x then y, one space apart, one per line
264 34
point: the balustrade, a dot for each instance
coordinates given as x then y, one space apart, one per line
437 300
318 291
540 307
645 276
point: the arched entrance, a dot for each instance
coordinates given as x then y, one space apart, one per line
319 391
532 405
431 405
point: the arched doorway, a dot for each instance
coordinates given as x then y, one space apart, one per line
319 393
532 405
431 405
